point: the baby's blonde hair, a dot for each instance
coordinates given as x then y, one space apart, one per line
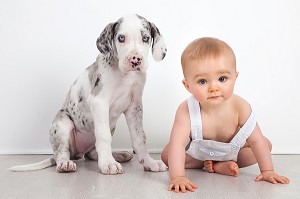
202 48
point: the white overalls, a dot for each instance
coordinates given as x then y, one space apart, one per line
212 150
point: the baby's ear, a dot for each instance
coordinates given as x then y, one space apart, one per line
186 85
236 74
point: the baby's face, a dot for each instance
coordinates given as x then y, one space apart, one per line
211 80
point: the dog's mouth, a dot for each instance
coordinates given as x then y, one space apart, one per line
135 66
132 65
129 68
138 68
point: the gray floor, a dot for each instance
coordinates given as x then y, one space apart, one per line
87 182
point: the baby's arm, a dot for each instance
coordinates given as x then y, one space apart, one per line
259 146
262 154
179 138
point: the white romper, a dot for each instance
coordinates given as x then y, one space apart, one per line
212 150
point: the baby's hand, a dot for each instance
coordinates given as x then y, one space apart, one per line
182 183
272 177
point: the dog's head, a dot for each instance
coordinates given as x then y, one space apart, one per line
129 40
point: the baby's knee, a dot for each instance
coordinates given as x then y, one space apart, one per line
269 143
164 156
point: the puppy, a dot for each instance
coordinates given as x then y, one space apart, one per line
112 85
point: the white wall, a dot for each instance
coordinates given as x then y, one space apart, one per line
44 45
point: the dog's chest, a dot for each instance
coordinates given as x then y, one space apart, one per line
127 91
119 90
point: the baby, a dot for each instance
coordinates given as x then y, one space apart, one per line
214 128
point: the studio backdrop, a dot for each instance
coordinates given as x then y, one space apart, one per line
46 44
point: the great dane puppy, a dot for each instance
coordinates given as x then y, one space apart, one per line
112 85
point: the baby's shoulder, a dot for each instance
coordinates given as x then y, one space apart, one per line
182 115
242 107
240 103
182 108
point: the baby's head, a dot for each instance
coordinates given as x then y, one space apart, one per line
204 48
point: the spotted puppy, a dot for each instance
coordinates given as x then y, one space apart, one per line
109 87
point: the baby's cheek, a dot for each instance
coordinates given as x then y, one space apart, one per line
200 96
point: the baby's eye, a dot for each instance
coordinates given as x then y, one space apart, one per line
223 79
202 81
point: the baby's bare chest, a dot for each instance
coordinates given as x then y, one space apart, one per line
220 128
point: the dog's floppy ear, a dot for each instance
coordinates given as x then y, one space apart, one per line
105 41
159 49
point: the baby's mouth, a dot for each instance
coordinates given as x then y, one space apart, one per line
213 97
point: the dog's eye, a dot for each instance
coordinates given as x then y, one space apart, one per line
146 39
121 38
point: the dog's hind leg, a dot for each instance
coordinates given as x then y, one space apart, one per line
119 156
60 131
91 154
122 156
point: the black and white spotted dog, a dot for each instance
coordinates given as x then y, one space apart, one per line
109 87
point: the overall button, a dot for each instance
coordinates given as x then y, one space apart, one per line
211 153
233 147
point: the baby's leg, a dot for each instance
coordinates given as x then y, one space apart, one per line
246 157
164 155
190 163
229 168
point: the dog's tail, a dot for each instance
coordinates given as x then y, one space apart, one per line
35 166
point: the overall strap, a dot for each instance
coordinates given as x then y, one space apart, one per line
246 130
195 117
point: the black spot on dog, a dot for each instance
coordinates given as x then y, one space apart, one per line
164 54
69 116
97 81
97 84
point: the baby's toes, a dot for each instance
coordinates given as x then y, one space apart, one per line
234 168
208 165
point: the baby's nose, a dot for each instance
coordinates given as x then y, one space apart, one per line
213 88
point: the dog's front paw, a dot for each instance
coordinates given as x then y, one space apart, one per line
154 165
66 166
111 168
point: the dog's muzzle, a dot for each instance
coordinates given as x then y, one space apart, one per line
135 62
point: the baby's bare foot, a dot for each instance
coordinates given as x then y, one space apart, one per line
208 165
229 168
